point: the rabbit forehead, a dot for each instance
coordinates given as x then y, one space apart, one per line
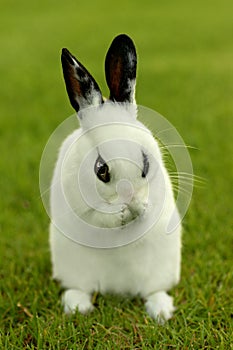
121 152
106 113
112 122
120 140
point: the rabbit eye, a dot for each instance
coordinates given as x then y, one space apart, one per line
101 170
146 165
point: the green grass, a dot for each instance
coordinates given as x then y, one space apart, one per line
186 73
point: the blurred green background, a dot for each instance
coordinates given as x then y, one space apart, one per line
185 72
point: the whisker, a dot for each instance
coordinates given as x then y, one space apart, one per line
187 183
184 175
163 131
44 192
181 190
184 181
190 180
48 189
178 145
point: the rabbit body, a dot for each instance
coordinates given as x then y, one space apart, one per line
110 178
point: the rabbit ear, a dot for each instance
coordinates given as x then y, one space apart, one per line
120 69
82 89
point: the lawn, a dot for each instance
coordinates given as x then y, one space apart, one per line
185 72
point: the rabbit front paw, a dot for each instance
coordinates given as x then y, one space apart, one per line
74 299
160 306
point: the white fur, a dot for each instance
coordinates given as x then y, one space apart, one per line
148 267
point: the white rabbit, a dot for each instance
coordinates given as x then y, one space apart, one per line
111 197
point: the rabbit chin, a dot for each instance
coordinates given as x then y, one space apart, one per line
127 214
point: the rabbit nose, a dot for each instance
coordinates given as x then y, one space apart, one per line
125 191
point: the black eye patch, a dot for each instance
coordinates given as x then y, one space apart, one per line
101 170
146 165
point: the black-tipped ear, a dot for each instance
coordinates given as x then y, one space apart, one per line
82 89
120 69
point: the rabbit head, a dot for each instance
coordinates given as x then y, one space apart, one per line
113 173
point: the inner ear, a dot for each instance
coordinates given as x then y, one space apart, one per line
82 89
120 69
114 78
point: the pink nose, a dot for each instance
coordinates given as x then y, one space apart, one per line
125 190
